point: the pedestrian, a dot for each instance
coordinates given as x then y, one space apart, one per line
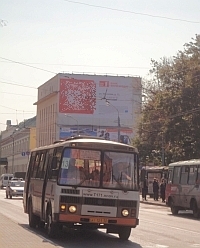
162 190
145 189
155 189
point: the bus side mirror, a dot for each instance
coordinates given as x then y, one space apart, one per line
54 163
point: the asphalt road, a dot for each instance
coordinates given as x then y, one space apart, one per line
158 228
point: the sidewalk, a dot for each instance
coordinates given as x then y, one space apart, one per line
15 235
152 202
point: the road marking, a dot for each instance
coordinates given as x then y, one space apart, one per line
156 246
173 227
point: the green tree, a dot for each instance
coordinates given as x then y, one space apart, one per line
171 112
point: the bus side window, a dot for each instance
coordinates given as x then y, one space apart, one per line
176 175
198 175
41 164
192 175
170 175
31 165
35 165
184 175
46 160
58 154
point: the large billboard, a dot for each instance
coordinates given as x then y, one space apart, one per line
101 102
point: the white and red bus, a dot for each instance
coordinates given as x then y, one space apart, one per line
83 182
183 186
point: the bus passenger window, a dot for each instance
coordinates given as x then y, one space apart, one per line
192 175
35 165
184 175
176 176
198 175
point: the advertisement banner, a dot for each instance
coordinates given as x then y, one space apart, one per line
100 102
106 133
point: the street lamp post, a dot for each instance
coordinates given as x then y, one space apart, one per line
13 148
76 122
118 118
13 153
163 151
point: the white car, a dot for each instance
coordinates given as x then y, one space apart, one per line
15 188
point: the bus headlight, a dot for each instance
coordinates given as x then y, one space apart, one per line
72 209
125 212
62 207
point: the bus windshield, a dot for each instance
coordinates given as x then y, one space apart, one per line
90 168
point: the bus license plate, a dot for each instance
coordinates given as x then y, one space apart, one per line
99 220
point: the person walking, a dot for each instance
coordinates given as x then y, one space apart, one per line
162 190
145 189
155 189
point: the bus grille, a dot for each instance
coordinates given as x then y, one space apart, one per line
98 201
70 191
70 199
127 204
101 202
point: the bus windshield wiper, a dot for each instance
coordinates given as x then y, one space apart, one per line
119 183
79 184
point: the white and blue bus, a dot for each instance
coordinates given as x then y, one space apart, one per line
83 182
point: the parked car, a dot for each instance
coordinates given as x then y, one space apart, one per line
4 179
15 188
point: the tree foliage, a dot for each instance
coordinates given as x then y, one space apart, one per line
171 112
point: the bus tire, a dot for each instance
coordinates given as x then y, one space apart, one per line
41 224
196 211
124 233
32 218
174 209
52 228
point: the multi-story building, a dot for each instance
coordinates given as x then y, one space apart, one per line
15 145
105 106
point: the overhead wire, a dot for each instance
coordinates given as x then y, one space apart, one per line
133 12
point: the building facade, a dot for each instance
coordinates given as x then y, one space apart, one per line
15 145
103 106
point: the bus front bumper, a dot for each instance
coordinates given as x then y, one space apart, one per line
131 222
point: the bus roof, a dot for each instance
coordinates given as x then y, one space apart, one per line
90 140
155 168
186 162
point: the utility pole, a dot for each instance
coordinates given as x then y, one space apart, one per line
76 122
13 154
118 119
163 151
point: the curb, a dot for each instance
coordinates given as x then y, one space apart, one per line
151 203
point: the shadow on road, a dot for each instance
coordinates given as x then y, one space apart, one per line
14 198
83 238
185 214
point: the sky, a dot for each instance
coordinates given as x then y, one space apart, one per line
41 38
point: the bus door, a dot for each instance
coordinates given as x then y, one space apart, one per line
27 181
51 176
45 172
169 184
176 186
183 189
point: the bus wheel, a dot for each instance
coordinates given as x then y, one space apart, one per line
51 227
196 211
41 224
32 218
124 233
174 209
